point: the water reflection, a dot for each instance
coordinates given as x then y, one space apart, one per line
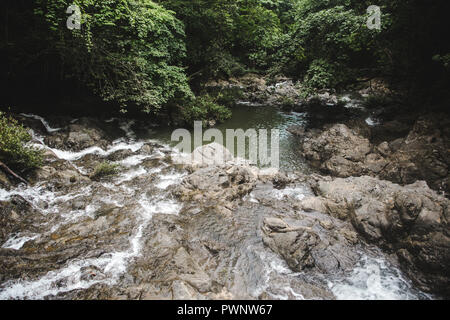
251 117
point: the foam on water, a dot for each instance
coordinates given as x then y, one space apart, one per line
131 175
297 193
117 146
134 160
43 121
111 265
17 242
351 103
160 205
33 195
169 180
69 278
375 279
372 121
273 268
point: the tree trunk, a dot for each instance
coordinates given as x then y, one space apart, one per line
5 168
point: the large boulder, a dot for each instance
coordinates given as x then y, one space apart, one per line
254 90
423 155
217 187
83 134
337 150
208 155
312 242
411 221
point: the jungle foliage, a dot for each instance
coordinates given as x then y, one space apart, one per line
153 56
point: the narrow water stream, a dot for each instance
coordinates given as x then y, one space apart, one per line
107 238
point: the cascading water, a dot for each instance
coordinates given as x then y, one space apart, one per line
95 231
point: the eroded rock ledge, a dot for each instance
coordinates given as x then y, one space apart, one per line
424 154
319 233
410 221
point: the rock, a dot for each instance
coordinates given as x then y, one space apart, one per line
146 148
298 131
81 135
423 155
211 154
390 130
384 149
255 91
59 173
189 271
79 140
217 187
17 215
208 155
409 220
5 183
338 150
313 204
183 291
323 248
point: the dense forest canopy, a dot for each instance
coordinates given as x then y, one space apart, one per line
154 56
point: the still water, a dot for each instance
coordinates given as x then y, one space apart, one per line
250 117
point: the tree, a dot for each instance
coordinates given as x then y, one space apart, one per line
128 52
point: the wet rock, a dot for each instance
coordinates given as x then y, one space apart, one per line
423 155
409 220
339 150
190 272
256 91
59 173
146 149
120 155
390 130
298 131
217 187
183 291
17 215
81 135
212 154
321 246
313 204
5 183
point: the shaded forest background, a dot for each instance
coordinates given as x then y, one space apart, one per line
152 57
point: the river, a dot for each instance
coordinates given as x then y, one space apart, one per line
130 237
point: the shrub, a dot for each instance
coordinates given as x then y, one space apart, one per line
287 104
105 169
14 150
320 75
205 108
228 97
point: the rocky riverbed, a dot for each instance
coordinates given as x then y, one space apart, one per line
160 230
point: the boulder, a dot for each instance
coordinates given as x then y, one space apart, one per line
217 187
312 242
208 155
411 221
423 155
337 150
